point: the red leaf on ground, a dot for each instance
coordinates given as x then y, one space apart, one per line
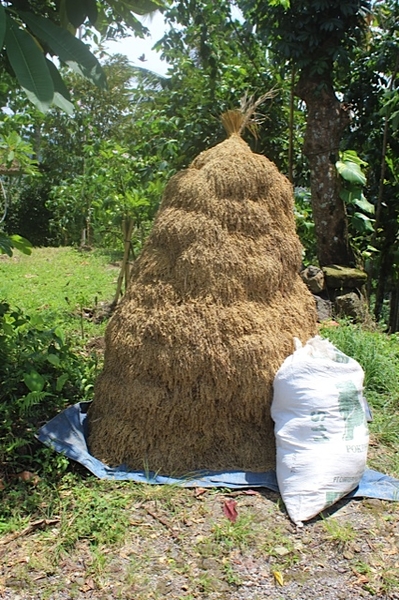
229 509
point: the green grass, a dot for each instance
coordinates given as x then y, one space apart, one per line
59 282
378 354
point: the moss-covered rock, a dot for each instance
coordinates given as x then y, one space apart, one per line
338 277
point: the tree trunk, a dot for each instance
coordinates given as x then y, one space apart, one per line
326 120
394 310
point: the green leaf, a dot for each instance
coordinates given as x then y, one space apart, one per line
34 381
29 65
62 98
61 381
69 49
284 3
76 12
21 244
139 7
92 11
60 335
6 245
2 25
365 205
351 156
394 118
53 359
363 223
351 172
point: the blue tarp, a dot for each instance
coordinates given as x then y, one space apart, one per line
66 433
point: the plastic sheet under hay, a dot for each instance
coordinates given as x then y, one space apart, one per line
210 314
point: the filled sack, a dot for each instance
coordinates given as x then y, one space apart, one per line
320 426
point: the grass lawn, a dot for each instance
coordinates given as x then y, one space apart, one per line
59 282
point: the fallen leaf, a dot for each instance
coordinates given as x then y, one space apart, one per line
244 493
29 477
278 576
230 511
361 580
88 586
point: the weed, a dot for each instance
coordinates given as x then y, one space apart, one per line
99 561
206 583
93 515
234 535
341 533
207 548
280 547
230 575
376 352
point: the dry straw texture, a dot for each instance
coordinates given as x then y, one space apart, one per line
213 305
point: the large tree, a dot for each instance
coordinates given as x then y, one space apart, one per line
316 37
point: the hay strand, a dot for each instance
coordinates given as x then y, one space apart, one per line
246 117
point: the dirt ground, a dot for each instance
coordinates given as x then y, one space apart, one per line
182 544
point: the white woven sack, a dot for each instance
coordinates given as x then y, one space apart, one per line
320 427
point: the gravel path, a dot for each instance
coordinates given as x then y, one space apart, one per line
184 546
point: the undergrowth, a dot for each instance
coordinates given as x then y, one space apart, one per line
42 371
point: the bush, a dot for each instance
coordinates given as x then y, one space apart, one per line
41 373
29 215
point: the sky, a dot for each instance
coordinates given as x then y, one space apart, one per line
134 47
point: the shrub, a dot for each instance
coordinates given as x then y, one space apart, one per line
41 373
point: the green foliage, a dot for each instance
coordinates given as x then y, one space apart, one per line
15 152
350 168
40 374
42 369
314 35
215 76
29 65
305 224
29 214
378 354
57 282
30 32
113 186
10 242
99 518
371 88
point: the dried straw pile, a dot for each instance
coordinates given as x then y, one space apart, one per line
213 305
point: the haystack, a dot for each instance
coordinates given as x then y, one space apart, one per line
214 303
